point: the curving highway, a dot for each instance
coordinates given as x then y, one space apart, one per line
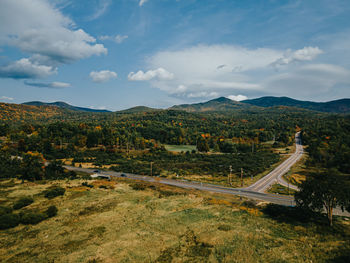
276 175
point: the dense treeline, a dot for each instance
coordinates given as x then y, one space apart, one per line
130 142
166 127
328 141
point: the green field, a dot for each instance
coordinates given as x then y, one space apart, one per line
180 148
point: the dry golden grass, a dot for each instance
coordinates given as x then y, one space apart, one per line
157 224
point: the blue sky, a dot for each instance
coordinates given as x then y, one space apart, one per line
116 54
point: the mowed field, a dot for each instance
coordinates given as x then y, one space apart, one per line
126 221
180 148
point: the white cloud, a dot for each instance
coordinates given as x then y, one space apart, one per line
26 69
52 85
224 69
37 27
6 98
102 76
101 9
203 94
117 39
142 2
305 54
309 80
159 74
238 97
218 68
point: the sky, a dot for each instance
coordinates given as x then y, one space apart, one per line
116 54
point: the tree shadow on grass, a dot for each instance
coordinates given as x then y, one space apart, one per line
342 255
300 217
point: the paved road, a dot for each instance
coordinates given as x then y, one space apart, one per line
276 199
255 191
276 175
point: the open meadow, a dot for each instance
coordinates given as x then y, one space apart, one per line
127 221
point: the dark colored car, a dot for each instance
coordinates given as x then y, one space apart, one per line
96 171
123 175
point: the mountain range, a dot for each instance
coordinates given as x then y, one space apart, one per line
223 104
63 105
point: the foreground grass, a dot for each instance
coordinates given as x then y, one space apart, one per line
129 222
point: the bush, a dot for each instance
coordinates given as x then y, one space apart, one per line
249 204
9 220
225 227
52 193
22 202
138 187
32 218
51 211
5 210
87 185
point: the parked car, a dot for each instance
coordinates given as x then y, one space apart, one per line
123 175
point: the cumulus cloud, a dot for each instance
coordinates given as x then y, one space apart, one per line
26 69
159 74
117 39
102 76
218 68
237 98
6 98
142 2
52 85
309 80
38 28
205 70
305 54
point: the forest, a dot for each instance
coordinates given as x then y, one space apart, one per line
129 142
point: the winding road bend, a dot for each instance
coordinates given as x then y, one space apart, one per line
275 176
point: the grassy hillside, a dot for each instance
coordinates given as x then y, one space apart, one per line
123 221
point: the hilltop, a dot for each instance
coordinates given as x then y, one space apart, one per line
223 104
63 105
336 106
219 104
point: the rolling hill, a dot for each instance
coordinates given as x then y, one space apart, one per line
335 106
220 104
63 105
138 109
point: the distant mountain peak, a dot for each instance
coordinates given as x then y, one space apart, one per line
223 99
220 104
336 106
63 105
